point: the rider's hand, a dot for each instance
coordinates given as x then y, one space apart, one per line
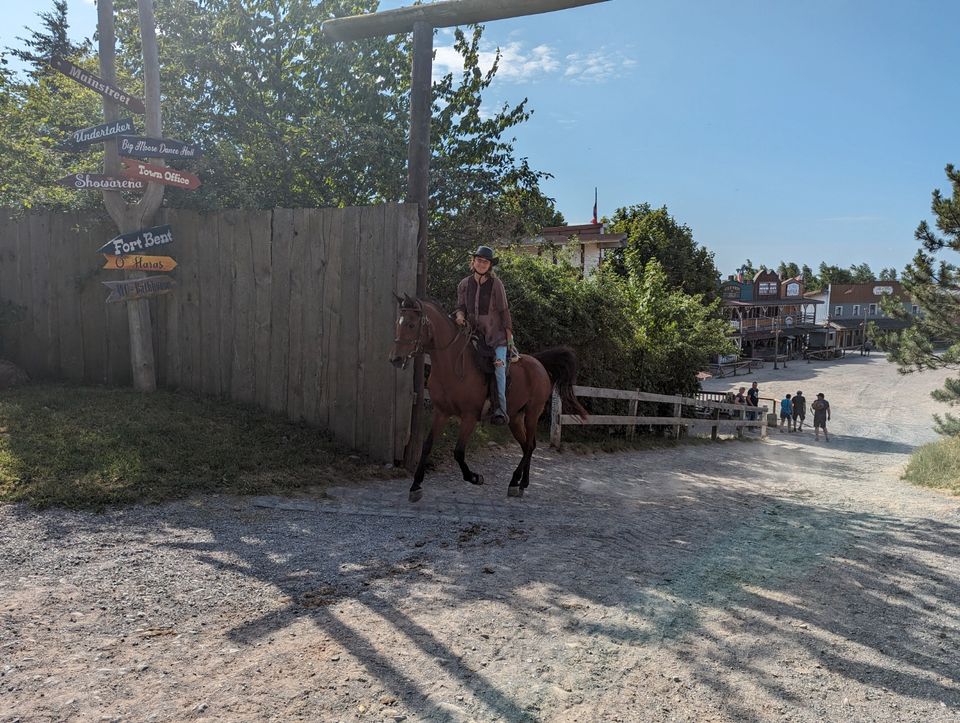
461 321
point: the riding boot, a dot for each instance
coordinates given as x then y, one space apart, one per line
500 374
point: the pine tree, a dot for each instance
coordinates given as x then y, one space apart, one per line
933 281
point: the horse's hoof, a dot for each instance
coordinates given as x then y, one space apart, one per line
514 491
415 495
477 479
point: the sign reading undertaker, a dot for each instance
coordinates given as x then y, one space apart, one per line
138 241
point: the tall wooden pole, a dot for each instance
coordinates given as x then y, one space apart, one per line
418 192
133 216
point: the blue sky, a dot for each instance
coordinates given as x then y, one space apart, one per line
775 129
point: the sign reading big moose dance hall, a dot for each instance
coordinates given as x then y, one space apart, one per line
141 147
138 241
98 85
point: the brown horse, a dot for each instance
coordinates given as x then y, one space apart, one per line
458 387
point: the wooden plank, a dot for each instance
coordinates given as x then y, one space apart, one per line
333 242
243 225
600 419
440 15
168 350
73 253
262 242
39 297
345 407
556 419
375 390
226 245
186 225
208 279
295 290
9 290
405 253
93 318
280 309
312 290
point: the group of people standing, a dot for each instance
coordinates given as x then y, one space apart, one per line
793 410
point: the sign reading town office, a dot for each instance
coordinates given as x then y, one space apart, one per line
97 134
98 85
159 174
142 147
138 241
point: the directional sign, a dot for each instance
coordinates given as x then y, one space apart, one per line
96 134
142 147
135 262
138 241
99 182
130 289
159 174
96 84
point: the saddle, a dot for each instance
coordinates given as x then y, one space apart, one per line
486 357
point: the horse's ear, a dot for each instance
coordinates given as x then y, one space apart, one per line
398 298
409 301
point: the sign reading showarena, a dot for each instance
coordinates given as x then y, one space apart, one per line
89 80
130 289
135 262
159 174
137 241
142 147
96 134
100 182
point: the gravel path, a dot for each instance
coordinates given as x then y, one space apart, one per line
770 580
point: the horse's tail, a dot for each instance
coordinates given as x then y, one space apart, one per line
561 364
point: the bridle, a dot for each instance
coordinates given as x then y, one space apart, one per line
425 323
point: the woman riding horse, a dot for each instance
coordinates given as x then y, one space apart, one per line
458 386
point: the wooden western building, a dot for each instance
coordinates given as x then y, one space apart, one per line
769 316
852 308
587 244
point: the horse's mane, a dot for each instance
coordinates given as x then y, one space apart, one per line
410 303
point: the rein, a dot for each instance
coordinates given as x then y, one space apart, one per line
418 347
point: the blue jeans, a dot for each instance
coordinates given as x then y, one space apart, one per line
500 371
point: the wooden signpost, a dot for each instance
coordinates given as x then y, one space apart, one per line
84 137
159 174
101 182
98 85
130 289
137 241
142 147
135 262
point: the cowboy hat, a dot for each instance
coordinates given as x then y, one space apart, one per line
485 252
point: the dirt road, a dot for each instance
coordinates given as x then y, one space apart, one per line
784 579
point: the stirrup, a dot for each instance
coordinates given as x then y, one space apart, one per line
498 418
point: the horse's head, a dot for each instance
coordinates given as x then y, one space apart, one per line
413 331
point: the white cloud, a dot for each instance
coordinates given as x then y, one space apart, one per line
596 66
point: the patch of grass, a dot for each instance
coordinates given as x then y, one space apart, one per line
86 447
936 465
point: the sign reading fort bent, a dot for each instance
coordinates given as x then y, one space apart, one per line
138 241
130 289
98 85
100 182
159 174
142 147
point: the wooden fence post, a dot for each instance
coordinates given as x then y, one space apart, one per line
555 411
715 430
763 427
678 413
743 417
633 413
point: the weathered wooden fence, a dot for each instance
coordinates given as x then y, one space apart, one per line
291 310
700 412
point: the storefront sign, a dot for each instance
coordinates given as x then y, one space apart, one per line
96 134
98 85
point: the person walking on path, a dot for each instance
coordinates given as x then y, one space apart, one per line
482 300
821 413
786 413
799 410
753 400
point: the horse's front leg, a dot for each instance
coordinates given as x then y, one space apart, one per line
439 419
520 434
467 424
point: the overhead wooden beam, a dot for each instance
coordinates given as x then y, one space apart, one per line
440 15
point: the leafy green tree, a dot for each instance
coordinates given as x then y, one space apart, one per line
862 273
828 274
655 234
932 280
889 274
810 281
788 270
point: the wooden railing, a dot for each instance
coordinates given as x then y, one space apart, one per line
703 412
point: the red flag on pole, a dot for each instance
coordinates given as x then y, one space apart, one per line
594 205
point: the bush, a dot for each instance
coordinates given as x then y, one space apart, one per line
936 465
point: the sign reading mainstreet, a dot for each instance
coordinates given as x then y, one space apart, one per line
100 182
159 174
96 134
135 262
130 289
98 85
142 147
138 241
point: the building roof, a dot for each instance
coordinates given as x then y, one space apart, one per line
868 293
587 233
